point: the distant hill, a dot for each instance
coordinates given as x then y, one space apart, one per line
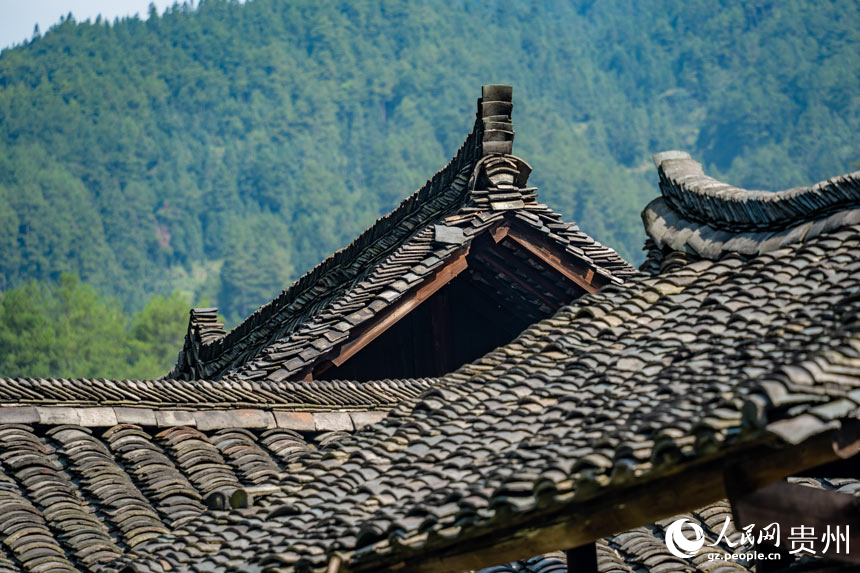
225 149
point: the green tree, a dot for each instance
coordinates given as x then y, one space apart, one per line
134 153
156 335
67 329
64 329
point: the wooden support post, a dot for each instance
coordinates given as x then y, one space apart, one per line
334 564
582 559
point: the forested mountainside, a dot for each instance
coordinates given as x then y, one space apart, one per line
224 149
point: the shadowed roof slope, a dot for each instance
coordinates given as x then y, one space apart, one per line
622 409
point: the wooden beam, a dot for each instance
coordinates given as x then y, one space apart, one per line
503 300
576 271
401 308
499 233
570 524
793 505
840 468
334 564
490 306
582 559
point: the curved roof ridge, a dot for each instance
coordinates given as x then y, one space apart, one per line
482 184
700 216
699 197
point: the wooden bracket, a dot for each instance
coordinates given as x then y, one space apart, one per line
500 232
793 505
755 500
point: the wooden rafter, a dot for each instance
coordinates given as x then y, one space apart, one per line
500 299
507 259
511 276
568 266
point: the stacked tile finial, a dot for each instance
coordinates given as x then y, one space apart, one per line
204 322
498 182
494 111
203 328
283 340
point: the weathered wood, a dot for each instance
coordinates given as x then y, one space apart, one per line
500 232
573 270
403 307
334 564
494 297
684 488
582 559
508 254
841 468
513 277
440 327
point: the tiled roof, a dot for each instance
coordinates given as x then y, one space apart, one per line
479 189
733 358
701 216
209 394
90 469
74 498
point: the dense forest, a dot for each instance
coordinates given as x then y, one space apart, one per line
218 151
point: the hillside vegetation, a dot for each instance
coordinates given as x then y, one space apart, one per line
225 149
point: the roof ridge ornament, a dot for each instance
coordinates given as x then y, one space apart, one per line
499 179
203 328
494 112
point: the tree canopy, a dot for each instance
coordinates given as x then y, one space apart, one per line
224 149
67 329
